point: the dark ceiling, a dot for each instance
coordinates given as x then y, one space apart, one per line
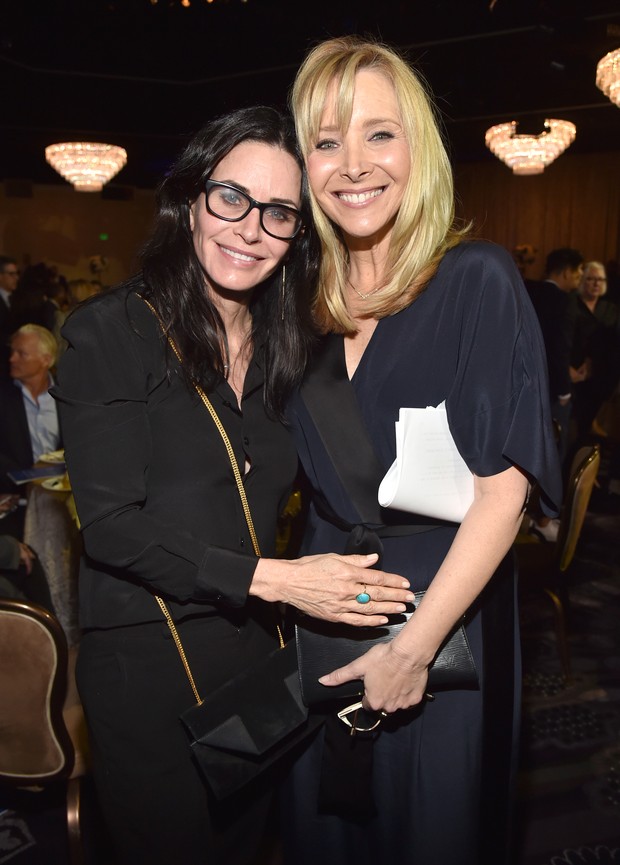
146 74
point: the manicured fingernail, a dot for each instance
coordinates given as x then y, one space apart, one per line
405 584
401 608
410 596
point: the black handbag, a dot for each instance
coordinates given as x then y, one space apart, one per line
326 646
243 727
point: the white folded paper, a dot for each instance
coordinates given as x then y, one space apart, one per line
429 476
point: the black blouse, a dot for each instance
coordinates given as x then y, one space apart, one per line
155 493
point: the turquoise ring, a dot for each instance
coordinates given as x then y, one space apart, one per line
363 597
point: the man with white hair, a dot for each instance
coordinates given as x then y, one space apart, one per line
29 425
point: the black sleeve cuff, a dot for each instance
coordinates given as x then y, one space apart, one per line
224 577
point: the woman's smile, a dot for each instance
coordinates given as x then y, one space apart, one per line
237 255
358 198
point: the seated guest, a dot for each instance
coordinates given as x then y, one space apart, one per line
29 417
21 574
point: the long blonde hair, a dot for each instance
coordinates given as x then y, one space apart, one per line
424 229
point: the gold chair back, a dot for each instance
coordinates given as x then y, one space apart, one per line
583 474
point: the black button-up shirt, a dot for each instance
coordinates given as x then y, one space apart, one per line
155 492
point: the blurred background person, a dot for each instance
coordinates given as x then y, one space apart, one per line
9 277
595 349
550 297
30 425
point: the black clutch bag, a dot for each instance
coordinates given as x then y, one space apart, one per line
326 646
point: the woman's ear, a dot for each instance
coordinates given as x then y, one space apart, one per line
191 205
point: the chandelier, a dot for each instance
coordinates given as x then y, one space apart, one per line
86 164
529 154
608 76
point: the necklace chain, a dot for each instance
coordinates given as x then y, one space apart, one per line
364 296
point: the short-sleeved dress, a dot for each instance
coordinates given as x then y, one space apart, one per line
442 772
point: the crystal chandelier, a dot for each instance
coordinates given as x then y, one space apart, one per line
529 154
608 76
86 164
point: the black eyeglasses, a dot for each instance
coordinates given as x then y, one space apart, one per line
232 205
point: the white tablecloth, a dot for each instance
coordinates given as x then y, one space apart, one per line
54 536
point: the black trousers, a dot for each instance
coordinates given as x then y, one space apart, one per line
155 803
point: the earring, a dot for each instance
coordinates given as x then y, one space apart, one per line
282 289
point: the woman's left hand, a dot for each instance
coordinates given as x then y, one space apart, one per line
395 674
392 680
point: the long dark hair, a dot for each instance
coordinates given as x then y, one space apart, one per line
175 281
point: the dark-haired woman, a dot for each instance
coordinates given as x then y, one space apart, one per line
225 276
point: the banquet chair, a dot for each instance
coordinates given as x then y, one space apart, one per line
543 565
36 746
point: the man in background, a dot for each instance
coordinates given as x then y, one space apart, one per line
9 276
563 271
29 416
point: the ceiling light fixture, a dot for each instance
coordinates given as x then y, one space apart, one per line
87 165
608 76
529 154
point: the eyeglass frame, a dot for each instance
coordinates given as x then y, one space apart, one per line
353 709
259 205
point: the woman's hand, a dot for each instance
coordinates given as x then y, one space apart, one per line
395 674
326 587
392 680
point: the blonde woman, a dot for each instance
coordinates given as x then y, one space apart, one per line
413 315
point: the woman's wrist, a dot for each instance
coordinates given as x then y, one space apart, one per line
269 580
409 655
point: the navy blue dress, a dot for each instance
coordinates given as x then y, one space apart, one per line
442 771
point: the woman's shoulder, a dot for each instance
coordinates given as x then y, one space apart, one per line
479 269
120 306
117 333
482 254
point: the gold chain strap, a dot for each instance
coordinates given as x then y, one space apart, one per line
244 503
179 645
